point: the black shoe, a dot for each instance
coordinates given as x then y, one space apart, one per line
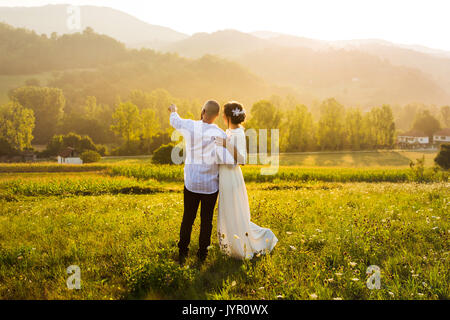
201 258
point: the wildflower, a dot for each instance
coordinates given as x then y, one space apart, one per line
293 248
236 236
279 296
288 232
338 274
261 288
352 264
337 298
391 294
313 296
355 279
233 283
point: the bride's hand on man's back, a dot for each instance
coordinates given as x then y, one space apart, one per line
221 142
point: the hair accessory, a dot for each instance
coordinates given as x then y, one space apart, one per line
237 112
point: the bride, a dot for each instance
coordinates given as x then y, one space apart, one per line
238 236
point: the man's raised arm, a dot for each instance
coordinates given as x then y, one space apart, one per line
177 122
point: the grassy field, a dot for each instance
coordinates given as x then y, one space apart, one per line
344 159
363 159
119 222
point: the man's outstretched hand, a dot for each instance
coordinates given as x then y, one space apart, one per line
173 108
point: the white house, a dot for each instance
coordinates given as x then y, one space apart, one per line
413 137
442 136
69 156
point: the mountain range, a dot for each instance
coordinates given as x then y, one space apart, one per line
358 72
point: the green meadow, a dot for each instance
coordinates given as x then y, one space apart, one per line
119 222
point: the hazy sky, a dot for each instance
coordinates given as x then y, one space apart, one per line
424 22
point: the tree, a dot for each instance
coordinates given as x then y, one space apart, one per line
163 155
353 129
445 114
16 125
126 121
383 127
90 156
426 123
47 105
59 142
90 119
150 126
331 125
298 130
443 157
264 116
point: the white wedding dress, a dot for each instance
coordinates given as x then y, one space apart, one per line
238 236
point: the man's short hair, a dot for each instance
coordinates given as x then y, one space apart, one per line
211 108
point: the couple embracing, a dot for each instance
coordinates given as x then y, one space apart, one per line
212 170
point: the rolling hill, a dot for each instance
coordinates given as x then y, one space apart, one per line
363 72
116 24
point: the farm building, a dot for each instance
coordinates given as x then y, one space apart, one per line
69 156
413 137
442 136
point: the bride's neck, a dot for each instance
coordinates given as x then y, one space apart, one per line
233 126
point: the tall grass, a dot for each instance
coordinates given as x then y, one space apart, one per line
253 174
66 186
329 233
51 167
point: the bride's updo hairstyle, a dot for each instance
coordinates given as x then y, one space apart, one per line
235 111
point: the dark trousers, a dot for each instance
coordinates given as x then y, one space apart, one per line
191 203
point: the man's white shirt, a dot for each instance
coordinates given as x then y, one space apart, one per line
203 156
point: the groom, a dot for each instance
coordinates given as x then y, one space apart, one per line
201 174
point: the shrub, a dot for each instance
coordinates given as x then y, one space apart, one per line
443 157
90 156
60 142
163 155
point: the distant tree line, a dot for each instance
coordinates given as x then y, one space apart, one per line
139 124
337 128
